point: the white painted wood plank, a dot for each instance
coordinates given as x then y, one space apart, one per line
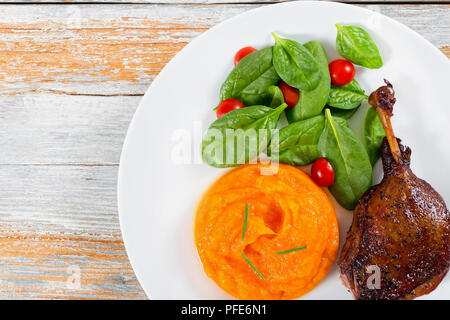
59 198
63 129
56 221
119 49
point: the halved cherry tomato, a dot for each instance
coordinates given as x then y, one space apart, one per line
242 53
227 105
290 94
341 72
322 172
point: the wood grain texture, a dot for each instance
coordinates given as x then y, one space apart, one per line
58 221
64 129
71 77
119 49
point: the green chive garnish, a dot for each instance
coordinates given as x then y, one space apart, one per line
290 250
251 265
244 229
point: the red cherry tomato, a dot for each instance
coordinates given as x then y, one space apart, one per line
290 94
242 53
322 173
341 72
227 105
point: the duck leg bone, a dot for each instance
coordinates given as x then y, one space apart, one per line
383 101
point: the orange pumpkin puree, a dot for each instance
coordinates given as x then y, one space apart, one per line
286 210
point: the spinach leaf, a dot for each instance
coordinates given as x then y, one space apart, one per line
239 136
277 97
311 103
355 44
298 141
343 113
249 80
340 121
373 134
351 164
348 96
295 64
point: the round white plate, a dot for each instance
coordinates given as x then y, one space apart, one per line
158 196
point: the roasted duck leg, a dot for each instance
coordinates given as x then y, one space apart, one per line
398 246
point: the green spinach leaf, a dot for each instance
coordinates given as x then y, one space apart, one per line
356 45
239 136
373 134
343 113
295 64
351 164
249 80
298 141
348 96
311 103
277 97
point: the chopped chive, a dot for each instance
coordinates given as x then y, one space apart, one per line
244 229
251 265
290 250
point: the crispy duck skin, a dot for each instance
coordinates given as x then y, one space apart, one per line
401 225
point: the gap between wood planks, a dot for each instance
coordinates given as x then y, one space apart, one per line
73 93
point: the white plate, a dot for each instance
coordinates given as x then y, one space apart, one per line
157 197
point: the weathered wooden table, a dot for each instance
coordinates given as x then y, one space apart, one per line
71 77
